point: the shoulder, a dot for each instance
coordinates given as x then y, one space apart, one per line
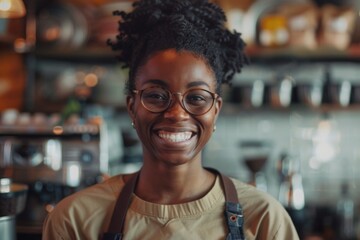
264 216
90 208
102 193
249 196
254 201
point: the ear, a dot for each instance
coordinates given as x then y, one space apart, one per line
218 105
130 102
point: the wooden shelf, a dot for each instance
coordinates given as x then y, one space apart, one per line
256 54
85 54
303 54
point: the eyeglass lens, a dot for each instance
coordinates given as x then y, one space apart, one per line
195 101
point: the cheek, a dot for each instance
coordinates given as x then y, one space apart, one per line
208 122
143 122
141 119
138 109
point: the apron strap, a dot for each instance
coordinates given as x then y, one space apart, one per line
115 230
233 211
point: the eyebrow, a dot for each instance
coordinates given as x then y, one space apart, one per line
191 84
157 82
197 83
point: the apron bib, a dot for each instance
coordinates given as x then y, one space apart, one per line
233 211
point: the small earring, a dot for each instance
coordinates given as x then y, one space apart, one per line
133 124
214 129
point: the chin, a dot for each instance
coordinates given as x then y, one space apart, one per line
176 159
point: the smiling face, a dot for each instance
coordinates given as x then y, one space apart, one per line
174 136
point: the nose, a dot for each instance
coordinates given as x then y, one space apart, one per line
176 111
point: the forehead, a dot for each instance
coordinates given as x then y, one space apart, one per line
176 68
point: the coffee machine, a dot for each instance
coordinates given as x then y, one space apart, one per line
54 162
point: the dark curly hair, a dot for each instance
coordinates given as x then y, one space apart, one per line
185 25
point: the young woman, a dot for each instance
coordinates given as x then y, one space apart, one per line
179 53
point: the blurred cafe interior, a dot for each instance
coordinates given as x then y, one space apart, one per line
289 125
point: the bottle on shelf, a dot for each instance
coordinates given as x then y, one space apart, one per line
345 213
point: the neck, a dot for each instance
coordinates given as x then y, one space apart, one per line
176 185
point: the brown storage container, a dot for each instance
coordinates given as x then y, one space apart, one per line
12 80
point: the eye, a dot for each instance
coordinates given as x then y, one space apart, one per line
195 98
155 95
198 97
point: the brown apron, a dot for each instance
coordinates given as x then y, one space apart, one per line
233 210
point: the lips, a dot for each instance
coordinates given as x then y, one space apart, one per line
175 137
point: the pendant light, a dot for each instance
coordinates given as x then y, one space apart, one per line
12 8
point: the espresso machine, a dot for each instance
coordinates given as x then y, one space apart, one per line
54 162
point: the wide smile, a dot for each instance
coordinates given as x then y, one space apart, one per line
175 137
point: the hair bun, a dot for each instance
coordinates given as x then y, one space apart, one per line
193 25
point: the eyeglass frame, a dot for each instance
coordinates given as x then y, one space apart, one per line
215 96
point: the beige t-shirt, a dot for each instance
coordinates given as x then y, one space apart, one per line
87 214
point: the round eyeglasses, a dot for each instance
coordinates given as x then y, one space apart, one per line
194 101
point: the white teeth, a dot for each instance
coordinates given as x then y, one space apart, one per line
175 137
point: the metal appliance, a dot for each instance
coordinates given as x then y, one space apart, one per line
12 202
54 162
